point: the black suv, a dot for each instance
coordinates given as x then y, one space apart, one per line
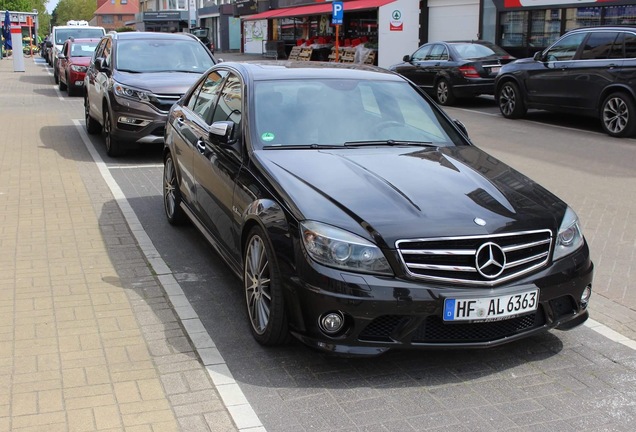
588 71
133 80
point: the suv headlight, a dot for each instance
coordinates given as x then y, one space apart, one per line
78 68
130 92
338 248
570 236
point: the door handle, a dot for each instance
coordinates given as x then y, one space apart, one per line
200 145
180 120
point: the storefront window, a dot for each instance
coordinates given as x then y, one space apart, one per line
620 15
545 27
514 29
582 17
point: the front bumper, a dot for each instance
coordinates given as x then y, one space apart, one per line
137 122
383 313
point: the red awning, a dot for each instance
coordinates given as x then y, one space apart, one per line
319 9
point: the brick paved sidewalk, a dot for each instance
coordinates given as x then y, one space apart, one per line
88 340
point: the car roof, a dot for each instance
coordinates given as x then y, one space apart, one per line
261 70
604 27
150 35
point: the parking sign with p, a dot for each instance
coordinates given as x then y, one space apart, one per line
337 13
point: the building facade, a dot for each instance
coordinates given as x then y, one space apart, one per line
114 14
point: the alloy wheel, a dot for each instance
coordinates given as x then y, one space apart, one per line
442 92
507 100
169 185
257 284
615 115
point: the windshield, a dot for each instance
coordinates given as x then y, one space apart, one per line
335 112
162 55
83 49
78 33
475 50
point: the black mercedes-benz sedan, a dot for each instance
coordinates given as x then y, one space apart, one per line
360 218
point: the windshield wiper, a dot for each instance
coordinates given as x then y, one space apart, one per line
301 147
389 143
129 71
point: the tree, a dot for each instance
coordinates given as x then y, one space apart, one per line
67 10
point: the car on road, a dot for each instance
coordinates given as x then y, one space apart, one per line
72 63
454 69
360 218
59 34
133 80
588 71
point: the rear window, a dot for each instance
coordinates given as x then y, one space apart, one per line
474 50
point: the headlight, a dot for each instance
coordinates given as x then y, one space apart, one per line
78 68
130 92
334 247
570 237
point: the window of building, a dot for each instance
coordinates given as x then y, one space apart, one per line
108 19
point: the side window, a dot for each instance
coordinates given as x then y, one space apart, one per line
438 52
421 53
565 49
598 46
99 50
106 54
229 105
630 45
202 99
617 50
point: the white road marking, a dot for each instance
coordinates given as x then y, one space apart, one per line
231 394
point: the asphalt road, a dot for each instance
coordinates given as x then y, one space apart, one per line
576 380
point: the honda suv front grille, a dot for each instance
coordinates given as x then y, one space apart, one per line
476 260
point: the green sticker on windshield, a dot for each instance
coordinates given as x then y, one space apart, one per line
267 136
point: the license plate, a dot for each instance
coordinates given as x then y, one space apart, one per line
490 308
495 69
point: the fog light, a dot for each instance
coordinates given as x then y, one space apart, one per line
133 121
332 322
585 297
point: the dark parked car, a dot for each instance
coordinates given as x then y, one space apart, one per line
360 218
588 71
454 69
72 63
132 82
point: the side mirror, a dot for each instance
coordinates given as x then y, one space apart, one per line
406 58
49 44
538 56
461 127
61 56
99 64
222 132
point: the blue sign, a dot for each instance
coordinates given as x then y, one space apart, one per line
337 9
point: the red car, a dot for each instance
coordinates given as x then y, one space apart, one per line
72 63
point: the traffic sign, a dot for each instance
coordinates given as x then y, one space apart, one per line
338 12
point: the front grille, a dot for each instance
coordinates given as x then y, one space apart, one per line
164 102
454 259
434 330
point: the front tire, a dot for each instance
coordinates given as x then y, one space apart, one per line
92 126
171 193
510 101
444 93
113 146
618 115
263 290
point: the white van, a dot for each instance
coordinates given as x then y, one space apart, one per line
60 33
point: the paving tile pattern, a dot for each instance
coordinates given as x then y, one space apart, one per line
88 340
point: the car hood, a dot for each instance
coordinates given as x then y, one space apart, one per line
158 82
81 61
388 194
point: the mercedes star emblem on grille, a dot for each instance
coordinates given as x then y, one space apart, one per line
490 260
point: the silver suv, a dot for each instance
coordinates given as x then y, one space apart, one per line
133 80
